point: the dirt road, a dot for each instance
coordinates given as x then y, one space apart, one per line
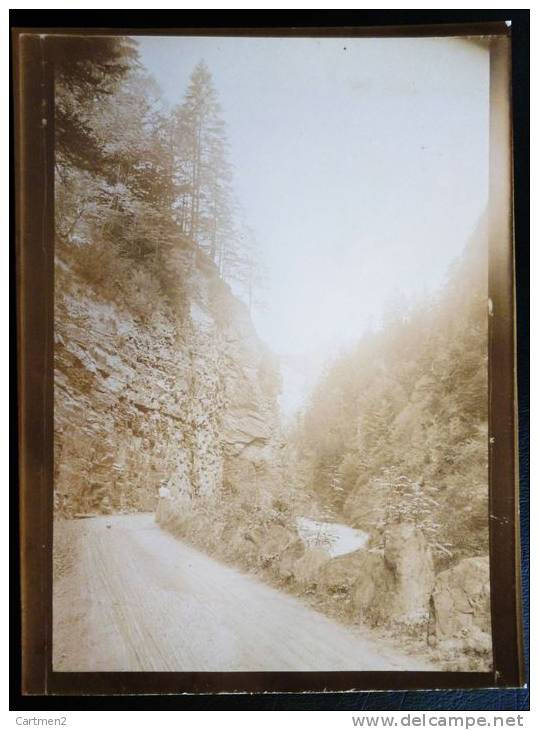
137 599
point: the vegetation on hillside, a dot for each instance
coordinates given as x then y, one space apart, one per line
135 181
396 429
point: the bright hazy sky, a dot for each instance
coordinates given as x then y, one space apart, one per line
361 164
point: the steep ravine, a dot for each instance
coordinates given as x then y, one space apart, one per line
152 387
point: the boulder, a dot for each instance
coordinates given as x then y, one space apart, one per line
273 547
339 574
409 558
240 545
288 559
374 588
307 568
460 613
276 539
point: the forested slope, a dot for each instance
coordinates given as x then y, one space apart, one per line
396 429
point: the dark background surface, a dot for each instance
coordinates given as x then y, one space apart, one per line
494 699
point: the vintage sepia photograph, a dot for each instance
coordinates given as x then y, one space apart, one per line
271 354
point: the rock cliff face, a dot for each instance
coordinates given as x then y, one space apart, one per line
184 393
460 615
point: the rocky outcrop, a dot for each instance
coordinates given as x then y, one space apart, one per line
460 617
390 584
187 394
373 589
339 574
307 568
407 555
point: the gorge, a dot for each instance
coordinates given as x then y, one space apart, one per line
370 504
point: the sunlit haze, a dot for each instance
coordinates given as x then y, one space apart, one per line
361 165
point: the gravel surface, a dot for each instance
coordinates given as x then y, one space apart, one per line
130 597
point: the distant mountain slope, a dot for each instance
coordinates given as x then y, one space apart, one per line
397 429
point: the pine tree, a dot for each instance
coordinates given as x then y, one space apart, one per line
87 69
204 206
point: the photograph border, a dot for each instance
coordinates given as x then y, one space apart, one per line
34 161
